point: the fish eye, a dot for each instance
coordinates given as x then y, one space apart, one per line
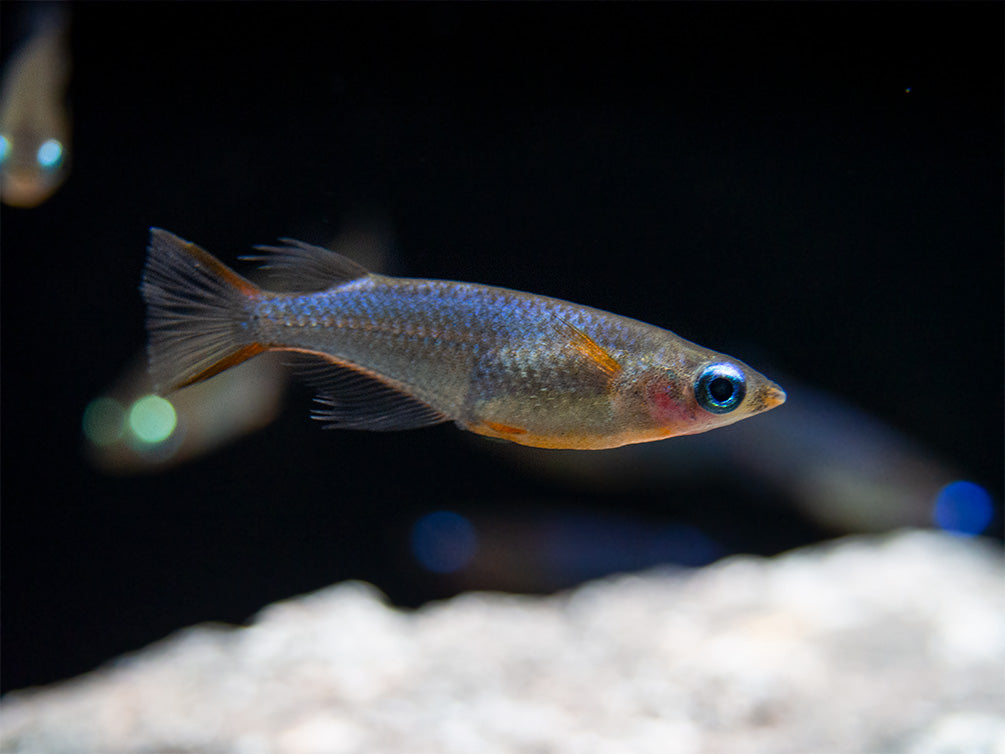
50 154
720 388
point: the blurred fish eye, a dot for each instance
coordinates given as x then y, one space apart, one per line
50 154
4 148
720 388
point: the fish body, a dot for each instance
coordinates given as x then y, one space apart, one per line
395 353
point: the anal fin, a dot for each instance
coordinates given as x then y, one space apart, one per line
352 397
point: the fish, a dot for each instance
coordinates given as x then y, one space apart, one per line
34 119
388 353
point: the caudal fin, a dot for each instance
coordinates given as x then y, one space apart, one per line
197 313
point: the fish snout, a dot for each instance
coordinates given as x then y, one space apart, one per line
771 396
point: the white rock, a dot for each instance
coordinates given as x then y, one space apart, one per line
865 645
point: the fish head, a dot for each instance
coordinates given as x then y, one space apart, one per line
706 390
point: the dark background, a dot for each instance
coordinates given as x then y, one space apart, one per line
756 177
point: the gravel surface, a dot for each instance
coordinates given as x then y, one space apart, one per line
881 644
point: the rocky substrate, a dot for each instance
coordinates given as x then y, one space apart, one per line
881 644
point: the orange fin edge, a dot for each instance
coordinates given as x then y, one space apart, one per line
504 429
221 270
228 361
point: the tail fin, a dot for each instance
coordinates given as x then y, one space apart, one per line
197 313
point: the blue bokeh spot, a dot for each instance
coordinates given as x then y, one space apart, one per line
963 508
50 154
443 541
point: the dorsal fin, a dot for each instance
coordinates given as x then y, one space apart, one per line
355 398
299 267
589 348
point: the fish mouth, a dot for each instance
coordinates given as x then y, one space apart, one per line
772 396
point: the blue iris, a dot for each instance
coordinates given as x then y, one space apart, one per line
720 388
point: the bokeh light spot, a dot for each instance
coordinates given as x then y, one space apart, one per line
50 154
104 420
963 508
152 419
4 148
443 541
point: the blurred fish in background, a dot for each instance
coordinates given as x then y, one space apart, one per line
34 118
843 470
129 428
481 545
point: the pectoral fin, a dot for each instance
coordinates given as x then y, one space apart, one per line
583 344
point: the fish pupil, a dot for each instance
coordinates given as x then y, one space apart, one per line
721 389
